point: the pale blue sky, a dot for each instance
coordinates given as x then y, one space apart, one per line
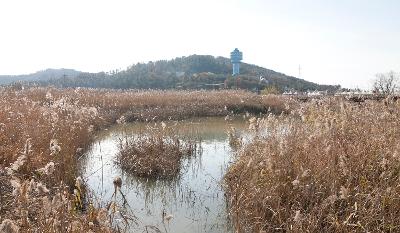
342 42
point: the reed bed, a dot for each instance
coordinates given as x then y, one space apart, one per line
330 166
41 140
153 105
156 152
44 132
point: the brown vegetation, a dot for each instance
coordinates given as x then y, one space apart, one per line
156 152
43 132
330 166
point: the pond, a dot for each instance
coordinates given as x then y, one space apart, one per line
195 199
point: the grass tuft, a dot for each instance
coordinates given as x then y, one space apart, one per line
156 152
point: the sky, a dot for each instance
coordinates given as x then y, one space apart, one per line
345 42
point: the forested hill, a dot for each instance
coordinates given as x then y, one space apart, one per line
42 75
192 72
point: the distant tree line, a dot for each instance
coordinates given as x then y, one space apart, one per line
386 83
192 72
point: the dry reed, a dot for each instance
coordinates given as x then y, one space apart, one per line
330 166
155 152
44 131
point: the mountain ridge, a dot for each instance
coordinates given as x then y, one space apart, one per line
40 75
188 72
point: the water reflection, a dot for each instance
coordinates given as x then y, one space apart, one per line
194 199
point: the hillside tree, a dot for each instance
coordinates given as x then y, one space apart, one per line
386 83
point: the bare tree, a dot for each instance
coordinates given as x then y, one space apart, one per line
386 83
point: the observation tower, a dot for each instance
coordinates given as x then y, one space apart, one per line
236 57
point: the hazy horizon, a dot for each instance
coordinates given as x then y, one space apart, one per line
334 42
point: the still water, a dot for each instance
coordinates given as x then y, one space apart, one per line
195 199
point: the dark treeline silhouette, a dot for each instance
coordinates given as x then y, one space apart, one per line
192 72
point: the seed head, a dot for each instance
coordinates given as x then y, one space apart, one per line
344 192
48 169
102 217
49 96
54 147
9 226
117 182
297 216
16 184
78 182
41 189
168 217
295 182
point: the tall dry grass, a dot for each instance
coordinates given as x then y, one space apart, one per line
330 166
40 142
156 152
173 105
44 131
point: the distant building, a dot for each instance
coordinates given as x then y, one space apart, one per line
236 57
179 74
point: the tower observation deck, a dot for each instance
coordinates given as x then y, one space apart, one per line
236 57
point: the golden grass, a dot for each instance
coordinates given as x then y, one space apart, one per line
330 166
